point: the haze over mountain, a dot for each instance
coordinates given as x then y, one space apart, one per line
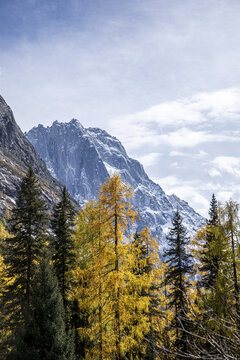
81 158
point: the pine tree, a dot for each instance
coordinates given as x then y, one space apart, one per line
63 246
43 335
210 258
22 251
179 268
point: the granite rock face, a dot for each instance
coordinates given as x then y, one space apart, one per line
16 155
81 158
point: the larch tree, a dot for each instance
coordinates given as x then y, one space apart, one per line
231 225
148 271
4 235
109 292
85 292
118 211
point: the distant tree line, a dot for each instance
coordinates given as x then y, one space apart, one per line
75 286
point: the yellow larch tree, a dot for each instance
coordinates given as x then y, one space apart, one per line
118 215
4 235
115 283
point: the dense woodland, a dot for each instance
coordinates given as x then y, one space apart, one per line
89 286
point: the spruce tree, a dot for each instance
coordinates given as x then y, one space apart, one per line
63 246
43 335
210 258
179 268
22 251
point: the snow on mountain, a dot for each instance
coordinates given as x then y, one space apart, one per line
16 155
81 158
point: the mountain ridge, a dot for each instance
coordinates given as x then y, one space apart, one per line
17 154
81 158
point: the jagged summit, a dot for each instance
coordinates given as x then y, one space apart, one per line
16 155
82 158
13 140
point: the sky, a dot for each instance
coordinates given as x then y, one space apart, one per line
163 76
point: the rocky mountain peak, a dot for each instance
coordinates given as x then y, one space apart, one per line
16 155
82 158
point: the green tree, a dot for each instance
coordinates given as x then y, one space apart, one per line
22 250
211 257
180 266
43 335
63 245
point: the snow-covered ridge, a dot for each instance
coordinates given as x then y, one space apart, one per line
82 158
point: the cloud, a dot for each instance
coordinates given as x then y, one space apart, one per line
184 189
228 164
184 123
139 70
187 138
214 172
149 159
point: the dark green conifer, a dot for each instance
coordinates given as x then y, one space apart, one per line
63 246
210 258
22 251
180 266
44 336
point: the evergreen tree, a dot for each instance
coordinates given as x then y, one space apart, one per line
63 246
179 268
22 250
43 335
210 258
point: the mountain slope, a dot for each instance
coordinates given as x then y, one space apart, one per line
82 158
16 155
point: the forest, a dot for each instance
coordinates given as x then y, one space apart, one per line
88 285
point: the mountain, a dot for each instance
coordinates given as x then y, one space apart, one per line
81 158
16 155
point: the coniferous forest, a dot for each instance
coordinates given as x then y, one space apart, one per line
87 285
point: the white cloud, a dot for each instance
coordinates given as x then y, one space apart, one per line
203 107
177 153
188 138
224 196
149 159
167 182
214 172
184 123
228 164
185 190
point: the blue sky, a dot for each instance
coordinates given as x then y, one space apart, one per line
168 70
